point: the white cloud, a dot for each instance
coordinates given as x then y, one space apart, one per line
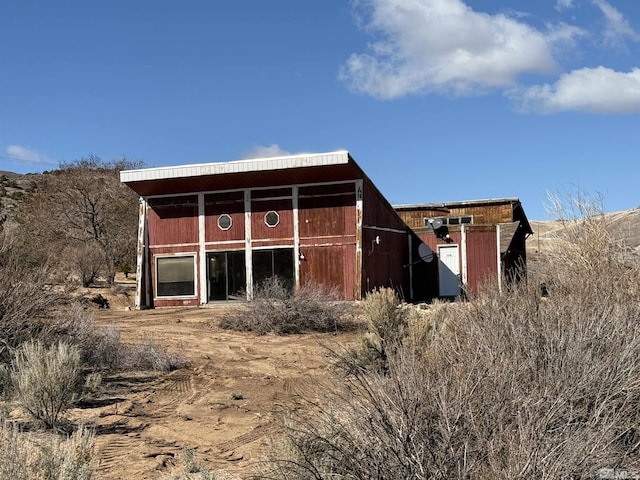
444 46
28 155
564 4
617 28
595 90
267 151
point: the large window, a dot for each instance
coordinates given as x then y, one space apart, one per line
175 276
269 263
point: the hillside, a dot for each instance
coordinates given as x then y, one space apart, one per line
623 228
13 188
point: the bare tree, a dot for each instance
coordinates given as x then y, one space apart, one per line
81 208
25 297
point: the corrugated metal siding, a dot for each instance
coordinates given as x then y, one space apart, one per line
173 220
231 204
482 258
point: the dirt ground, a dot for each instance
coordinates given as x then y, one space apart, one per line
227 403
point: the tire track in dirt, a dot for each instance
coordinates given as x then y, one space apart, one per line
241 440
111 450
178 389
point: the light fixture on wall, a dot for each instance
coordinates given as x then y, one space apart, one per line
374 242
301 257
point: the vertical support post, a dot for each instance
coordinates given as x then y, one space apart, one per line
296 237
141 253
499 259
463 235
410 266
202 251
359 220
248 255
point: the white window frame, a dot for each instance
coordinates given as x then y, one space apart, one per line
230 221
194 255
267 223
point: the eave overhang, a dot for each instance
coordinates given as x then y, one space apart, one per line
254 173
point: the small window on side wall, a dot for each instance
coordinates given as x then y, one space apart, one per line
272 219
175 276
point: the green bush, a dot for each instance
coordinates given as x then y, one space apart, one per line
47 380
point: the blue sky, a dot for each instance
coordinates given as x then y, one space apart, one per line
437 100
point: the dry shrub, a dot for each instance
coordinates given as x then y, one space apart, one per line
149 355
5 381
103 347
514 386
275 309
47 380
25 297
99 347
190 467
25 456
390 323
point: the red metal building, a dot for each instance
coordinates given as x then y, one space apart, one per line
473 241
212 232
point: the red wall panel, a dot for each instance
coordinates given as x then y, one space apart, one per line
284 228
232 204
173 220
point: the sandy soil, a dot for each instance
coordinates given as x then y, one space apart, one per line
226 404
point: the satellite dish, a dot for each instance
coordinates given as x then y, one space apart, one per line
435 223
425 253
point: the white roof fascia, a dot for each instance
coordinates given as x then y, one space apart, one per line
239 166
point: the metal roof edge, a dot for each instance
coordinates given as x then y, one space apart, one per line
302 160
457 203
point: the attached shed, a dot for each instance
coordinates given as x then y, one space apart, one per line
212 232
473 241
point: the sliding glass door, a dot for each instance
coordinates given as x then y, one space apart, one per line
226 275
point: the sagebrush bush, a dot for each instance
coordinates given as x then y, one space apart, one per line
390 323
149 355
47 380
25 456
103 347
99 347
190 467
513 385
275 309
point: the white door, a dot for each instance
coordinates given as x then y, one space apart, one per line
449 270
